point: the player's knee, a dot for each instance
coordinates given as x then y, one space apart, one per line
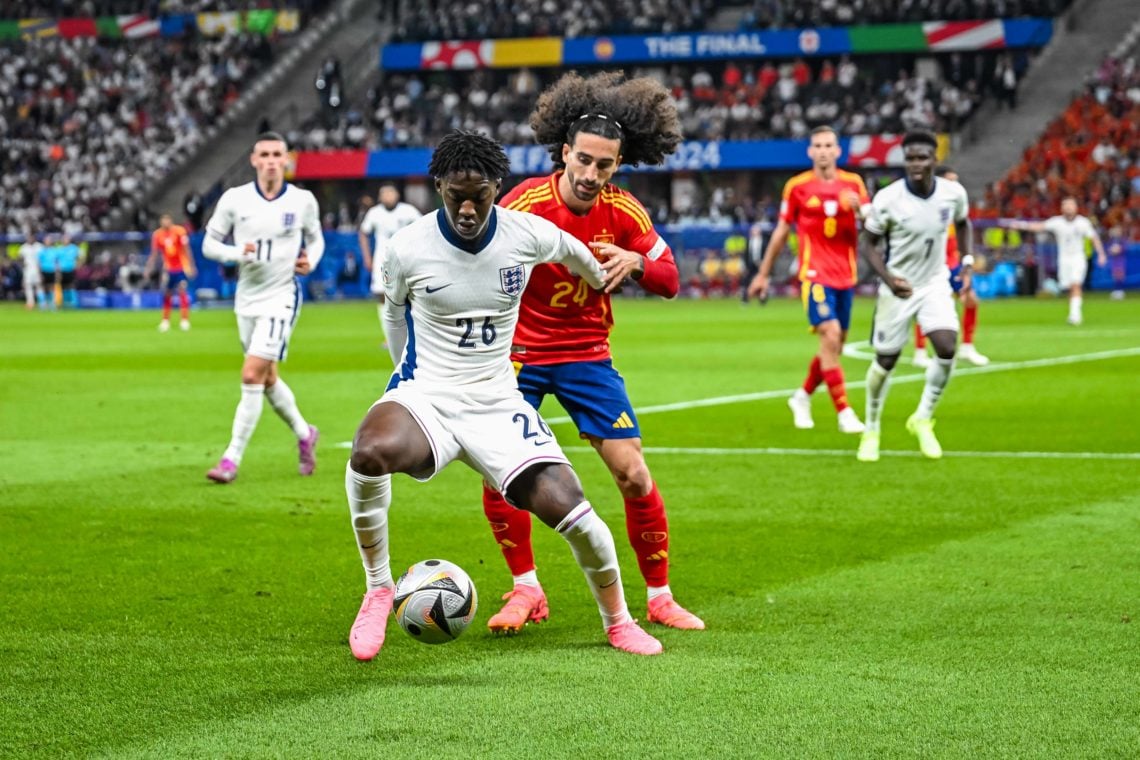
634 480
373 454
887 361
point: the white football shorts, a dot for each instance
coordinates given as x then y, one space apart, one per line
267 337
931 305
498 436
1071 270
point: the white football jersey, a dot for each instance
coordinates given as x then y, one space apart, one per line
460 306
30 253
279 229
1071 236
381 223
916 227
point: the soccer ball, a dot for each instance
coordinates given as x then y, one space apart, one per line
435 601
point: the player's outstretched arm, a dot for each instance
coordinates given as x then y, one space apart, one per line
1024 226
579 260
758 288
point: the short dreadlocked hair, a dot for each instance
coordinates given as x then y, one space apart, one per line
463 151
638 112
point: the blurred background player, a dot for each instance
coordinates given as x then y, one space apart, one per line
171 242
380 223
1116 248
67 257
453 282
1071 230
29 253
963 288
276 229
561 345
824 204
912 216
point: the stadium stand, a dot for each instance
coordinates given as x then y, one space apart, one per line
1091 151
717 101
419 20
768 14
86 121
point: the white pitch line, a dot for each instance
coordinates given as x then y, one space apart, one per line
774 451
895 380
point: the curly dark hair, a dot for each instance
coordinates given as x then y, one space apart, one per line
639 112
920 137
464 151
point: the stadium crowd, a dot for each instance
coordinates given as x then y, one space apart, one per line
748 101
768 14
419 20
85 120
1091 151
152 8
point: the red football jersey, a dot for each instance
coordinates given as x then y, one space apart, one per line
952 259
826 228
561 318
170 243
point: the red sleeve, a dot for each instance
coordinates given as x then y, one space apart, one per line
864 196
661 277
789 205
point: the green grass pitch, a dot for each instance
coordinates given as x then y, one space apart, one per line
981 605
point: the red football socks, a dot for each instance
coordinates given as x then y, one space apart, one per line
919 338
166 303
183 305
648 532
837 387
814 377
969 323
512 531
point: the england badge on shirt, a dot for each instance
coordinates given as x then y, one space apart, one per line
512 279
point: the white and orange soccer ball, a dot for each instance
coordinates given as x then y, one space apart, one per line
435 601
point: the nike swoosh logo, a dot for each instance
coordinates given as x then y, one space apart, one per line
542 443
430 289
370 546
615 580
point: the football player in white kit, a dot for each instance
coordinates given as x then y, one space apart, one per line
276 230
913 215
453 281
380 223
1071 231
33 280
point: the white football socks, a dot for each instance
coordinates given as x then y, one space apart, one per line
281 398
878 383
937 376
245 420
529 578
368 501
593 547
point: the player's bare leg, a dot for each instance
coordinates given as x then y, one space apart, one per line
388 440
647 528
552 492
